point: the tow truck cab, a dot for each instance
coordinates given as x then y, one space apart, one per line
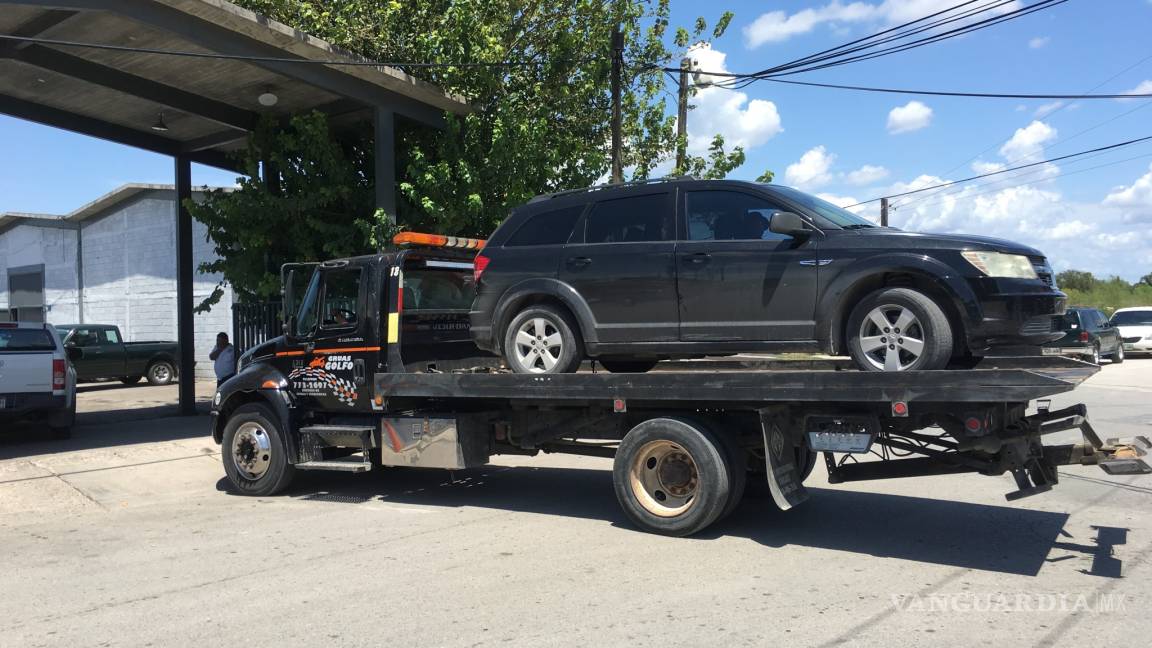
348 319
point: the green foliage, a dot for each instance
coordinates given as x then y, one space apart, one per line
1106 294
535 128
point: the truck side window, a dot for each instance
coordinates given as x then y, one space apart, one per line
109 336
84 338
306 316
341 298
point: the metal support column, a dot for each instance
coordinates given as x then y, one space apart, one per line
385 131
185 331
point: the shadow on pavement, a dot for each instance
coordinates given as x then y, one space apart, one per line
117 429
973 536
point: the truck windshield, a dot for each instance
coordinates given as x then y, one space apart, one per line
26 340
306 316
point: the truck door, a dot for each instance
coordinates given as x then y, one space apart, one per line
101 353
331 349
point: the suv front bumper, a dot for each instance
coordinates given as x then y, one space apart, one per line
1016 312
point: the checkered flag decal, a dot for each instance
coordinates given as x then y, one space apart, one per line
343 390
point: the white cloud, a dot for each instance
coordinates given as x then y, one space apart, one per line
1047 109
1067 230
1027 143
1135 200
1038 42
981 167
742 122
912 116
777 26
811 170
1145 87
865 175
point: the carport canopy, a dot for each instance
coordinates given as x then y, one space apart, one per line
195 109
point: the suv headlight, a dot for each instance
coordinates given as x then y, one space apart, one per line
998 264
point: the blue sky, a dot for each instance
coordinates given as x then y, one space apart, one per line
850 146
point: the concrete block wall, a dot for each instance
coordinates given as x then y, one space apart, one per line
55 250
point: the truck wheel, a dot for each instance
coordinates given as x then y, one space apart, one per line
628 366
253 452
543 339
1118 356
899 329
672 476
131 380
160 372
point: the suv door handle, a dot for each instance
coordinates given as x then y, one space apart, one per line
700 258
579 262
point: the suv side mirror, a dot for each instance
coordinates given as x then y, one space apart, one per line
788 224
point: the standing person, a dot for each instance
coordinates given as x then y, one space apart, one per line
224 355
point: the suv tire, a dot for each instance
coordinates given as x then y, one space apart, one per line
543 339
876 343
1118 355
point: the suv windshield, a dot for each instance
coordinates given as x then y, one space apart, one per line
834 215
1133 318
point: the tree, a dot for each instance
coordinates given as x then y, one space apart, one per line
540 124
1146 279
1076 280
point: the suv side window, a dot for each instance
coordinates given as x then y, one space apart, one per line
547 228
630 220
730 216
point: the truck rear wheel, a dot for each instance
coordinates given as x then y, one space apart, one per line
161 372
672 476
254 454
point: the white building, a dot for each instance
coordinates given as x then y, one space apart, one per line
112 261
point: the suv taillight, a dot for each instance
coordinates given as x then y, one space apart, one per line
479 264
1083 336
59 374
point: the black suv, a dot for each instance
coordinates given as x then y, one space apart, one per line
631 274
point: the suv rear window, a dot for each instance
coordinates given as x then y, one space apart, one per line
26 340
547 228
630 220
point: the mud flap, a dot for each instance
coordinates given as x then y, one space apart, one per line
784 477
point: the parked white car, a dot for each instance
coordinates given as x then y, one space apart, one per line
1135 326
37 381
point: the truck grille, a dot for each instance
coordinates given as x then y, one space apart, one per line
1039 325
1043 270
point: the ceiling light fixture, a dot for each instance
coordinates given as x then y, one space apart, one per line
160 126
268 98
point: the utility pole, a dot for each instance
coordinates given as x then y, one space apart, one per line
884 212
682 116
617 64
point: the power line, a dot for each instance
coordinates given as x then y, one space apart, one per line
940 93
1007 170
838 58
272 59
1064 140
944 198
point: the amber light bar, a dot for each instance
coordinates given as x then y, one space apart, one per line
437 240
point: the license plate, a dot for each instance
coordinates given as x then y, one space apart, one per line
1050 351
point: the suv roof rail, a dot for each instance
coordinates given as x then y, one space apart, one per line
601 187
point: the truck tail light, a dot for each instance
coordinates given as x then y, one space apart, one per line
479 264
59 374
1083 336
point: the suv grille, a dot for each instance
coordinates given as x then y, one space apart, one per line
1043 270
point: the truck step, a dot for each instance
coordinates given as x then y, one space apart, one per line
340 465
336 429
341 436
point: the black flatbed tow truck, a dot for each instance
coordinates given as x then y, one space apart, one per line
377 368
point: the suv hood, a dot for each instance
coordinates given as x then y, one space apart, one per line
953 241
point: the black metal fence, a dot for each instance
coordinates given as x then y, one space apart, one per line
255 322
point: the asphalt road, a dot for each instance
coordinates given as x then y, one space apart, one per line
126 536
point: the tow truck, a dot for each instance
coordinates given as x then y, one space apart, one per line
377 368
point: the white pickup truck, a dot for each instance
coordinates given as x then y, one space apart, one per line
37 381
